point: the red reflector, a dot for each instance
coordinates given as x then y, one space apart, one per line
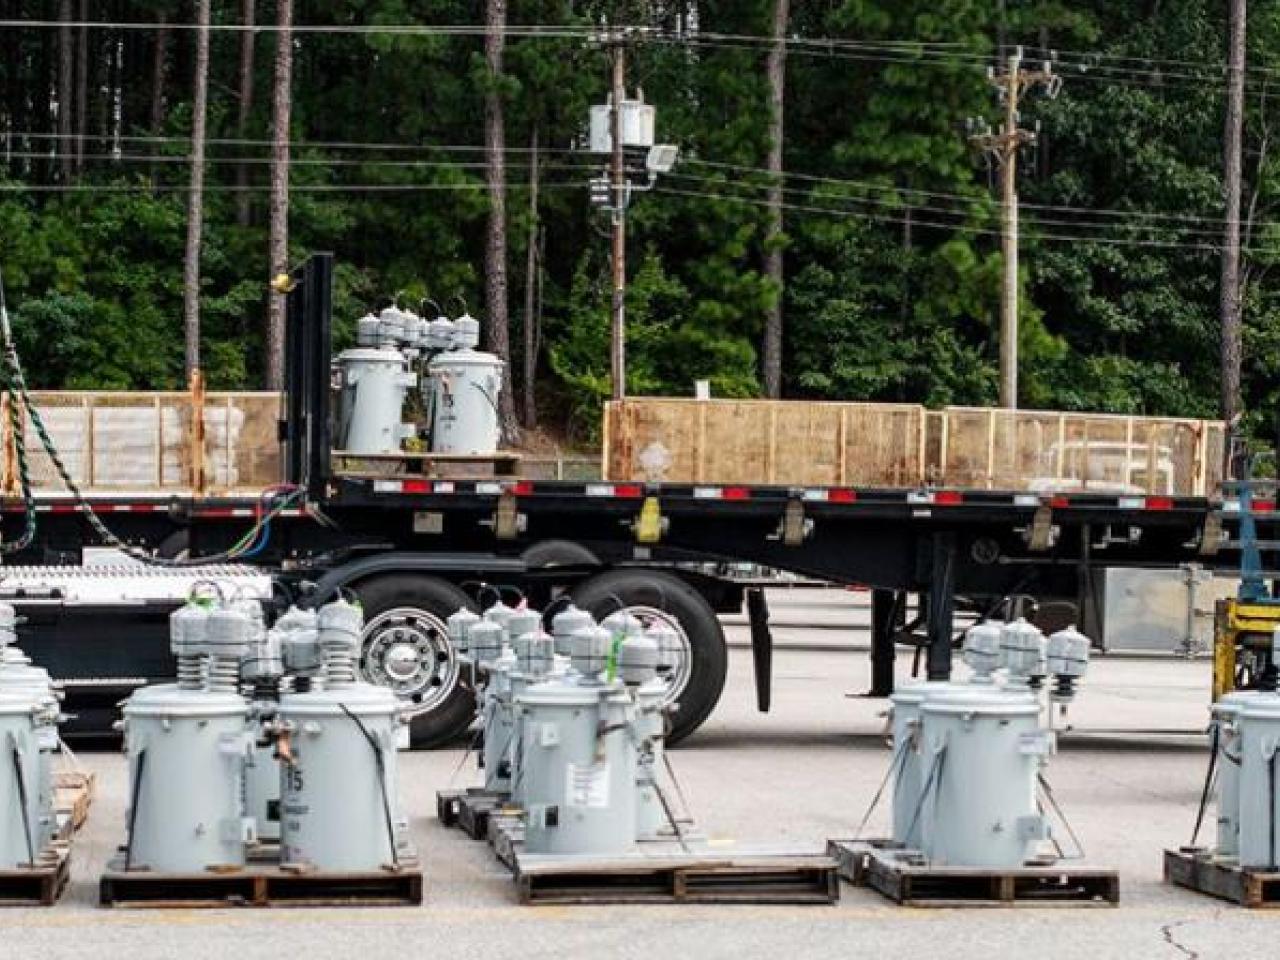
948 498
1264 506
1060 503
735 493
632 490
522 488
415 486
1159 503
841 496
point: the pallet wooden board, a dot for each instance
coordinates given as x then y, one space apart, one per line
696 877
40 885
901 876
1196 869
260 886
445 466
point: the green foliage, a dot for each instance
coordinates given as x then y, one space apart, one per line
893 261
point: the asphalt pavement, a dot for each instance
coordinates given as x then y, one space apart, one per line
1128 775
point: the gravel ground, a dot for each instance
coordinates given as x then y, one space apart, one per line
1128 776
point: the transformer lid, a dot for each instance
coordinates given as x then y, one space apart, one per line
1264 707
983 699
1231 704
362 699
170 700
559 693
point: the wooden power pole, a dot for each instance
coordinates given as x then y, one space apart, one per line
1011 85
1232 139
618 181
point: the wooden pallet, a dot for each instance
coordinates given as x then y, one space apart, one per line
903 876
700 876
40 885
259 885
73 795
436 466
469 810
1197 869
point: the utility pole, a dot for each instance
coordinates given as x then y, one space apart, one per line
1011 86
1230 294
615 127
618 181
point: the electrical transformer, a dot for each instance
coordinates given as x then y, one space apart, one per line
186 744
579 757
338 748
464 402
1225 736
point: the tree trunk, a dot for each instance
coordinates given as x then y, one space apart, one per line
195 202
159 72
82 85
773 239
529 409
1232 139
498 326
281 103
245 110
66 67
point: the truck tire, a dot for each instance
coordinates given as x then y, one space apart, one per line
406 648
649 594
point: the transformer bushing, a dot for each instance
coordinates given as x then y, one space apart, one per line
338 746
579 757
186 745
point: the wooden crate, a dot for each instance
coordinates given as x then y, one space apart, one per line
904 877
1197 869
786 443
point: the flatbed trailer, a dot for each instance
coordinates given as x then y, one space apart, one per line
414 548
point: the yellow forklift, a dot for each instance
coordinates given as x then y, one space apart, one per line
1244 624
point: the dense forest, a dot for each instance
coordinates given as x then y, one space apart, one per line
885 272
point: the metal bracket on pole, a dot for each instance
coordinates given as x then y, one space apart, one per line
795 527
1211 534
1040 535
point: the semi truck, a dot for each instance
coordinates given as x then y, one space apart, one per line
415 548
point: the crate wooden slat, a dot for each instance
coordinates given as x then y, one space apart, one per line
73 795
260 886
40 885
1196 869
901 876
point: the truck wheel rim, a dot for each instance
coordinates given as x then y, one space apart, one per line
678 653
407 650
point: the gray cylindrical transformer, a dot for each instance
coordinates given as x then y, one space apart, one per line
375 382
19 677
1225 727
1259 739
21 836
908 774
535 656
464 408
338 807
186 754
983 749
652 820
579 768
499 724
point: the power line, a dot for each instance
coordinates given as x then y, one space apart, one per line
960 228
